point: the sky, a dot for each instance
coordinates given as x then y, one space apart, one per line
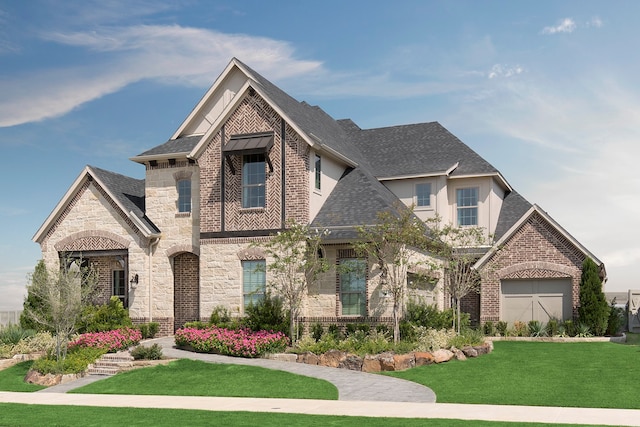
546 91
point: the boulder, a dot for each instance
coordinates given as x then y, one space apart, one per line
470 351
424 358
35 377
351 362
332 358
371 363
442 355
308 358
459 354
386 362
402 362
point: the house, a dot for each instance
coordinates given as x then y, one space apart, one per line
249 158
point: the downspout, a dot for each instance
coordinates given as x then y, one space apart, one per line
153 243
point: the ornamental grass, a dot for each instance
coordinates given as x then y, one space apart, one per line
232 342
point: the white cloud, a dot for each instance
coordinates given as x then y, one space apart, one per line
567 25
168 54
506 71
13 287
595 22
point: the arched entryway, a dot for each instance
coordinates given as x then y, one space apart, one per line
186 289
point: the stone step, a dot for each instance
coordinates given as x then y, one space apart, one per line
102 371
111 363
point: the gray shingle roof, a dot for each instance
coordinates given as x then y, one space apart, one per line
514 206
415 149
174 146
356 200
129 192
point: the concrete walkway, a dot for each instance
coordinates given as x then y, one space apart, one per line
376 396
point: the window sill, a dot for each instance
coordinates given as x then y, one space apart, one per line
183 214
250 210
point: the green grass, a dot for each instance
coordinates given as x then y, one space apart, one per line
596 375
633 339
14 414
194 378
12 379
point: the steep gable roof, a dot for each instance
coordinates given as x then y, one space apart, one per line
179 146
126 193
514 206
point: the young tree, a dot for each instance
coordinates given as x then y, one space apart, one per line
62 296
393 243
296 262
593 310
457 249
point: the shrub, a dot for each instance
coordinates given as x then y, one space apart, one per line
502 328
326 342
467 337
148 330
316 331
583 330
101 318
220 316
197 324
147 353
77 361
109 341
616 319
489 328
569 328
429 316
429 339
267 315
239 342
536 328
593 310
520 329
334 331
552 328
13 334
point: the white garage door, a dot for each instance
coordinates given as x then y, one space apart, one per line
525 300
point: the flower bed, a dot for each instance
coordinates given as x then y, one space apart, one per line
111 341
239 342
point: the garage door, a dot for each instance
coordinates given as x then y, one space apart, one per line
525 300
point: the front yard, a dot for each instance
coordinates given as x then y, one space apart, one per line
595 375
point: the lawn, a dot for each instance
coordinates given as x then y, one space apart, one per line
12 379
596 375
13 414
194 378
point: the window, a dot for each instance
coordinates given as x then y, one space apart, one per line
423 195
119 286
318 171
253 181
253 281
184 195
353 286
467 201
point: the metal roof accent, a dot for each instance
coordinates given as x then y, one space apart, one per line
249 143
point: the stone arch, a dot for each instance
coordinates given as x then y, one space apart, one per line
181 248
251 254
92 240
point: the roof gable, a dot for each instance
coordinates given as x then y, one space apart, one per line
127 193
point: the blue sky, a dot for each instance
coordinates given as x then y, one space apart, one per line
546 91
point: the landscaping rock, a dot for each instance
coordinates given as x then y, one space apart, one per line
404 361
371 363
459 355
424 358
332 358
442 355
386 362
352 362
470 351
282 357
308 358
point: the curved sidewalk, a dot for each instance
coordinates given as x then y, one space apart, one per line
352 385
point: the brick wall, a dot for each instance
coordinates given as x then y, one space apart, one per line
537 250
186 289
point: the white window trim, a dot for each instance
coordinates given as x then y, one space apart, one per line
477 205
431 196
